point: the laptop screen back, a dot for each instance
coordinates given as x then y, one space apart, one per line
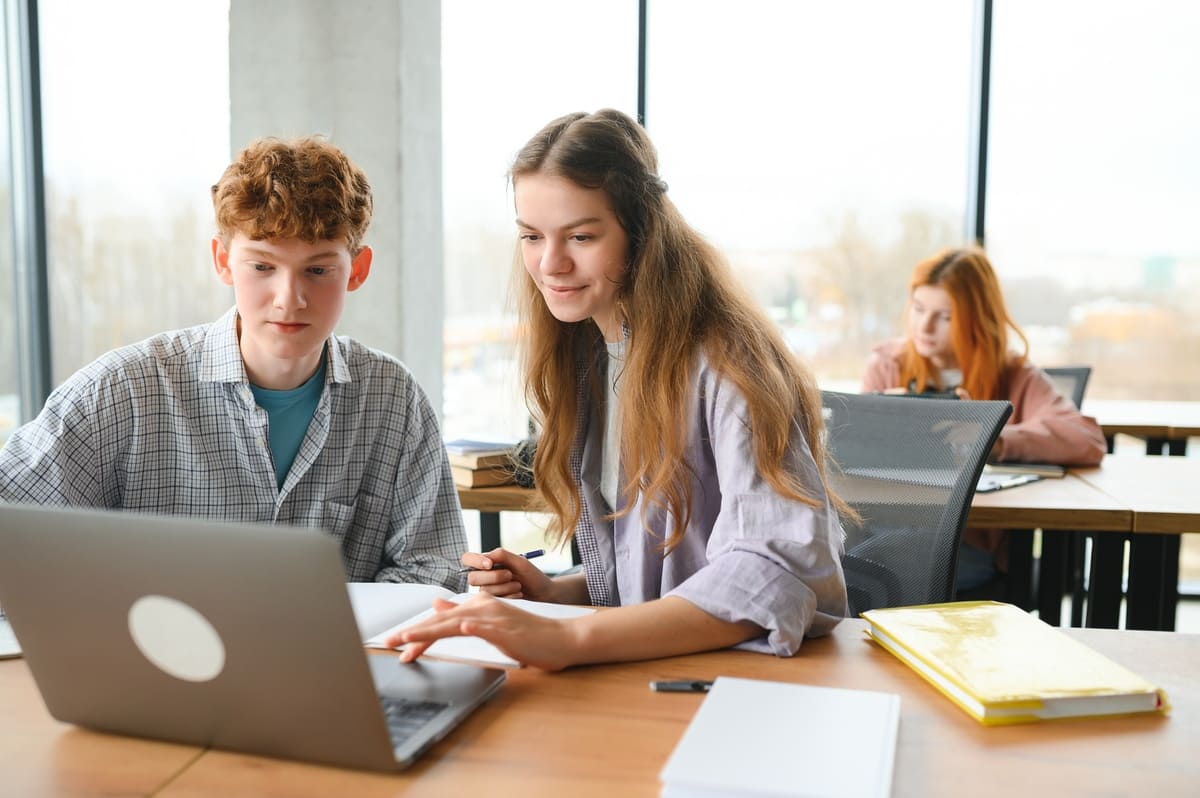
233 636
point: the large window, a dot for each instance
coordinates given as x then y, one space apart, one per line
1094 188
508 69
824 149
136 120
9 368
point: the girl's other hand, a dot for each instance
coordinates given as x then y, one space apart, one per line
505 573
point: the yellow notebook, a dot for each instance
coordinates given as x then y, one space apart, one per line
1002 665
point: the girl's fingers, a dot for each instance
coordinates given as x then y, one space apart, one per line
507 590
432 630
413 650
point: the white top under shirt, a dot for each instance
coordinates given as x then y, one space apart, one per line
610 454
951 379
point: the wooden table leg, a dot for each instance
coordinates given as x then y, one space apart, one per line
1170 580
1052 575
1076 575
1158 577
1018 584
1147 582
1104 584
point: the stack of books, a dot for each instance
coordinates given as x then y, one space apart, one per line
480 464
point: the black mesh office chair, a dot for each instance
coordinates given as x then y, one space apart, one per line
909 466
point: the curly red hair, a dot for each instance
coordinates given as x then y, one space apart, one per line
303 188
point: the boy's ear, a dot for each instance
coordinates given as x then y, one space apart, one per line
360 267
221 261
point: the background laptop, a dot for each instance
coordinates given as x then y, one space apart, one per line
233 636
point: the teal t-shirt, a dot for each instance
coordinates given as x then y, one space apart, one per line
289 414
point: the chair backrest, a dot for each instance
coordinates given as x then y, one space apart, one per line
909 466
1071 381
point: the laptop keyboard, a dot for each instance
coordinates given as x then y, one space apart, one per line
405 718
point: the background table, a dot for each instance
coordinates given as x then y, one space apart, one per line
1146 500
1163 495
490 502
1165 427
1162 424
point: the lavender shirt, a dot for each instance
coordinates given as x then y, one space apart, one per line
748 554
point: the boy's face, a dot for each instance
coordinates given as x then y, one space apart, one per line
290 295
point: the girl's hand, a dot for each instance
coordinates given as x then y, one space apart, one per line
545 643
503 573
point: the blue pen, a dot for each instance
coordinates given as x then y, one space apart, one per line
529 555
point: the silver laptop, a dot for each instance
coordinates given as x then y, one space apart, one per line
233 636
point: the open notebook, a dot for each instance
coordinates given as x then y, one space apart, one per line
381 608
1010 475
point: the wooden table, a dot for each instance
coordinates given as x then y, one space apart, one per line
1167 424
490 502
1146 500
1166 427
1159 491
1067 503
599 731
41 757
1163 494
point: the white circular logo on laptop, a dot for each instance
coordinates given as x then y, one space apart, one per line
176 638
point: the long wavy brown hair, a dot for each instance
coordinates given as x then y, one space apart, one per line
677 301
979 324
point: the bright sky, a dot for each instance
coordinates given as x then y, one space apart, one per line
135 96
859 106
768 132
1095 126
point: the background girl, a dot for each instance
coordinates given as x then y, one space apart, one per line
958 341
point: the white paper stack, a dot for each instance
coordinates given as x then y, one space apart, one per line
761 738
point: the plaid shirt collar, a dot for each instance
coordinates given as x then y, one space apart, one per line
221 357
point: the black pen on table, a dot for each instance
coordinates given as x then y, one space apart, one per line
681 686
529 555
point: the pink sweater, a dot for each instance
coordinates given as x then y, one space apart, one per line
1045 426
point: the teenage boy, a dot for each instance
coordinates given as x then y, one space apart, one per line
264 415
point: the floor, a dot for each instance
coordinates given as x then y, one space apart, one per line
1187 616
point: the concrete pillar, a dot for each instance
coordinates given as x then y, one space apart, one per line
367 74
